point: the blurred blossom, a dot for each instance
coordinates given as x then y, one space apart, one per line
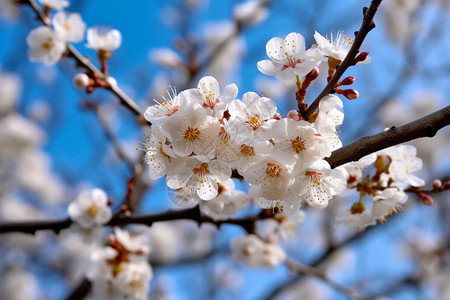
226 55
166 57
176 240
400 19
18 284
251 12
9 10
308 288
10 90
40 111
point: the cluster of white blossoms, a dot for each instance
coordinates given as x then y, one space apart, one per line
393 173
48 44
121 270
200 135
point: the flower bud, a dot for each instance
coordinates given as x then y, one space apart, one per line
427 200
350 94
277 116
347 80
81 81
312 75
437 184
361 57
294 115
447 185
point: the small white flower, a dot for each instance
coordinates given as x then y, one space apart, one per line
135 244
404 162
45 45
55 4
357 221
329 117
298 141
387 202
198 178
209 96
161 111
355 169
289 58
166 57
336 47
70 26
253 251
248 116
90 208
191 131
81 80
133 280
103 38
227 202
157 154
320 183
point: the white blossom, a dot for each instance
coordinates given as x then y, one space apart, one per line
45 45
103 38
55 4
289 58
69 26
250 12
254 252
90 208
133 280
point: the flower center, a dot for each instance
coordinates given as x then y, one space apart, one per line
247 150
273 170
48 45
203 169
298 145
255 122
191 134
92 210
315 176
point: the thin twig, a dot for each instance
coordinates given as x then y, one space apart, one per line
349 60
317 273
87 64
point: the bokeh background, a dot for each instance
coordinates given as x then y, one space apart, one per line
54 147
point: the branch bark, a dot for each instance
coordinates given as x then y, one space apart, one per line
349 60
427 126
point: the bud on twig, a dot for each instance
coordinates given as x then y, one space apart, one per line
437 184
350 94
361 57
427 200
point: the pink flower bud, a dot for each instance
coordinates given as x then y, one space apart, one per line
437 184
427 200
294 115
447 185
312 75
277 116
361 57
350 94
347 81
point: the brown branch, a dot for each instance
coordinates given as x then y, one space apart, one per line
146 219
427 126
320 274
349 60
82 61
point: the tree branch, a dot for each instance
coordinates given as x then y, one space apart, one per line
87 64
427 126
145 219
349 60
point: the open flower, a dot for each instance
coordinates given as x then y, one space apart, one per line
289 58
191 130
103 38
336 47
45 45
69 26
90 209
320 183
